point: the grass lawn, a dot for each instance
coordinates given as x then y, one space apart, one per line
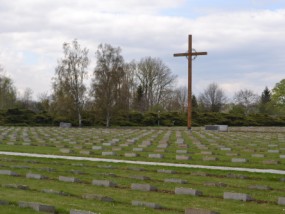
264 188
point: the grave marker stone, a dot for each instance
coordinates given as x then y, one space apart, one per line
271 162
182 157
158 156
64 125
38 207
183 146
143 187
98 197
68 179
281 201
51 191
237 196
199 211
175 180
16 186
210 159
257 155
130 155
77 172
85 152
239 160
104 183
146 204
182 151
80 212
97 147
215 184
8 172
221 128
226 149
162 146
167 171
136 169
180 141
232 154
65 151
187 191
260 187
35 176
237 176
204 174
138 177
108 153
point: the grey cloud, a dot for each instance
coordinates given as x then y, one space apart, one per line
239 43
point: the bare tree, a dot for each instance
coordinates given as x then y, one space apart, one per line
27 99
126 87
178 100
247 99
108 83
156 81
182 95
44 102
213 98
68 83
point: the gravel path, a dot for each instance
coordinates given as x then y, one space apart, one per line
271 171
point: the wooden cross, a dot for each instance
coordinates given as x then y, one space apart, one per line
189 55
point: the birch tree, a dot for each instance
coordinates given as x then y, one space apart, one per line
69 78
107 83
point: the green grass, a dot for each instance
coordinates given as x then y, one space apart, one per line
241 148
50 140
123 195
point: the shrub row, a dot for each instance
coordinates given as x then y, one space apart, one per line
27 117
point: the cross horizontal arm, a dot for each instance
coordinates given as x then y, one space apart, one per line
190 54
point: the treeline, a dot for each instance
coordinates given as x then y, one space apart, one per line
132 94
24 117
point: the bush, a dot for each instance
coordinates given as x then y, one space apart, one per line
19 116
150 119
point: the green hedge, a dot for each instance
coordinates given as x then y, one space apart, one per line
27 117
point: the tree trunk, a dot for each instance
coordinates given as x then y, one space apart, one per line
79 118
107 120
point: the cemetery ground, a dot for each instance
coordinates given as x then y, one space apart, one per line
29 184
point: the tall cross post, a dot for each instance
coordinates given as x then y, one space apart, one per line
189 55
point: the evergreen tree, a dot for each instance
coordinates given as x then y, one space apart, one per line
194 102
265 96
139 100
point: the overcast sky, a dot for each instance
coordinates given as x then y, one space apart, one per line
245 39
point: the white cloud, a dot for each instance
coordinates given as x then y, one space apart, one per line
246 48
